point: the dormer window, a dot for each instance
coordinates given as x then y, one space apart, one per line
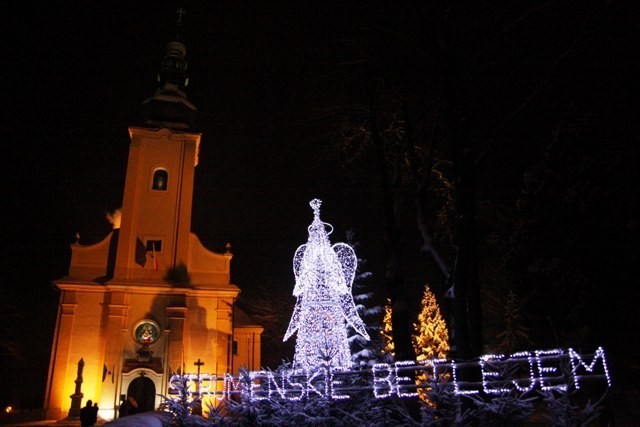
160 180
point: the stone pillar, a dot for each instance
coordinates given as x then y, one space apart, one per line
115 333
59 384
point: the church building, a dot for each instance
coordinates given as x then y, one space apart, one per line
149 300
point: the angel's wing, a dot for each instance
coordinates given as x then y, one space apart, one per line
295 321
348 262
297 269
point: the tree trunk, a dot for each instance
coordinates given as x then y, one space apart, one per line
467 303
394 283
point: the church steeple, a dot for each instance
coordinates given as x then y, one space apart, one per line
169 106
151 285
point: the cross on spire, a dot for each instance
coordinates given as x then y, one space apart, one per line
181 12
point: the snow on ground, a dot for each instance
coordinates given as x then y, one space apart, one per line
145 419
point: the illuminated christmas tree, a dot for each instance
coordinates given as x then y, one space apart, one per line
387 332
324 277
431 338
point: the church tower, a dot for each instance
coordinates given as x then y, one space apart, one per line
149 300
156 209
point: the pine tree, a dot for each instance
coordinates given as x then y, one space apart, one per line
364 352
515 335
431 338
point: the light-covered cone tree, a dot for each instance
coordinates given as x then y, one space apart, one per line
388 349
431 337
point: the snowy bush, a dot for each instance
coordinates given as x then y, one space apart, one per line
362 408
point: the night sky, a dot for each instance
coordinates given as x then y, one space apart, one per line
261 74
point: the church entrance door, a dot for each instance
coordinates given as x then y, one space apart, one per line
143 390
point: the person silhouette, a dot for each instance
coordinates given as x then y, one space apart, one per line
86 415
94 413
133 408
123 410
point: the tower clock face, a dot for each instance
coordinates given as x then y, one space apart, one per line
146 332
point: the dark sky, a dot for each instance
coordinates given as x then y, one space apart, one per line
74 79
74 76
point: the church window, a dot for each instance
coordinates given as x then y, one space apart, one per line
234 347
160 180
154 245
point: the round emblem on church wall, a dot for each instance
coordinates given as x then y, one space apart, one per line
146 332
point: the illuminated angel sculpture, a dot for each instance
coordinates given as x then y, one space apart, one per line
324 276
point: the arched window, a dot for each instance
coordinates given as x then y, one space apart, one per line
160 180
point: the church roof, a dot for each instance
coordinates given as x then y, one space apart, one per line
242 319
169 106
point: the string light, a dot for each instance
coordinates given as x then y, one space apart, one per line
484 361
232 386
324 381
220 395
384 382
256 391
324 277
542 370
279 385
334 384
289 378
456 386
532 378
436 363
599 354
204 384
404 380
311 386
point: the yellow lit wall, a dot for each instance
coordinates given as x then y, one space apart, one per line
111 286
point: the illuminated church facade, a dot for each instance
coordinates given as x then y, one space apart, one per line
149 300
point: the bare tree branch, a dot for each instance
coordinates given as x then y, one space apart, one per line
534 93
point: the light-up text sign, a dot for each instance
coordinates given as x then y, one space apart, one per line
538 369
